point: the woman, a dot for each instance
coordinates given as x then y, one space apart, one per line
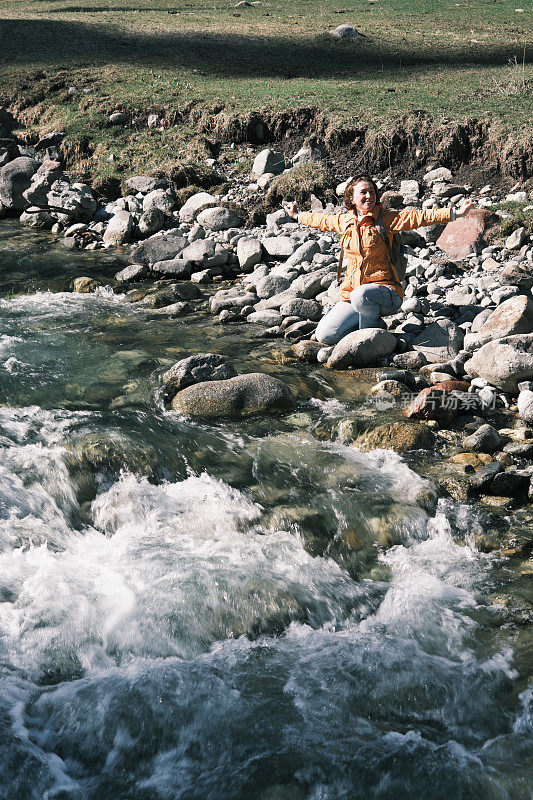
371 288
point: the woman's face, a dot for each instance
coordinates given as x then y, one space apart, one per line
364 197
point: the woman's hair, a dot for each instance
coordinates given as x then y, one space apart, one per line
348 192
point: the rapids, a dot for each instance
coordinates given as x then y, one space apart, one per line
235 610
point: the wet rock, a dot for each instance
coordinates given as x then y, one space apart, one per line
513 316
510 483
398 436
249 252
179 309
158 248
37 218
362 348
226 300
504 362
483 477
195 369
463 236
440 341
116 452
120 228
84 285
268 161
219 218
15 178
485 440
243 395
298 329
307 351
195 204
173 267
441 402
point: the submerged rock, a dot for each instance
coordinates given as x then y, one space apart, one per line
398 436
243 395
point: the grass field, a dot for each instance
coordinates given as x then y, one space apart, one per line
459 59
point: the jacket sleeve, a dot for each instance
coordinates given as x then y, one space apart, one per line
326 222
412 218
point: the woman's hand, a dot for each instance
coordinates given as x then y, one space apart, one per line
463 208
291 209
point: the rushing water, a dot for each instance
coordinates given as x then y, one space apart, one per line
226 610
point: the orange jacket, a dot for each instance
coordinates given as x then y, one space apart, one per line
367 254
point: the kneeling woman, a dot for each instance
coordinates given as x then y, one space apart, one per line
371 289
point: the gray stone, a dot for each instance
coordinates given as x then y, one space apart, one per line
515 275
219 218
308 285
438 174
118 118
513 316
279 246
461 296
145 183
240 396
179 309
268 161
305 252
346 32
276 218
249 251
133 272
268 318
158 248
271 285
485 440
75 200
525 405
222 300
205 253
516 239
299 307
151 222
119 228
15 178
41 183
409 188
440 341
504 362
174 267
161 199
195 204
195 369
362 348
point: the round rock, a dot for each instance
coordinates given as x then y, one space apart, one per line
243 395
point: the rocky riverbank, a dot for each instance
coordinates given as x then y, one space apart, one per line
455 363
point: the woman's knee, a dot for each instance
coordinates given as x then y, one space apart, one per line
326 332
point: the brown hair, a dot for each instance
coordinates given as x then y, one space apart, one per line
348 192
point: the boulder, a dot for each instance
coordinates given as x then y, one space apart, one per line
158 248
84 285
346 32
268 317
515 275
15 178
440 341
243 395
205 253
438 174
279 246
249 251
525 405
398 436
516 239
151 222
271 285
485 440
222 300
442 402
120 228
362 348
37 218
133 272
463 236
161 199
195 204
145 183
173 267
196 369
505 362
268 161
305 252
75 200
307 350
513 316
308 285
299 307
219 218
41 183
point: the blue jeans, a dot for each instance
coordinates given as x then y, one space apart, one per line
368 304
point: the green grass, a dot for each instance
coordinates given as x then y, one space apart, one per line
458 59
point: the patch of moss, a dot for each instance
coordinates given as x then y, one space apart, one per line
300 183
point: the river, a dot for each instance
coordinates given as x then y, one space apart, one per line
232 610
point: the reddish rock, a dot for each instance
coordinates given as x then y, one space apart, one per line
441 402
461 237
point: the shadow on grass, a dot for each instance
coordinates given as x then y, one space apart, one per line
52 43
